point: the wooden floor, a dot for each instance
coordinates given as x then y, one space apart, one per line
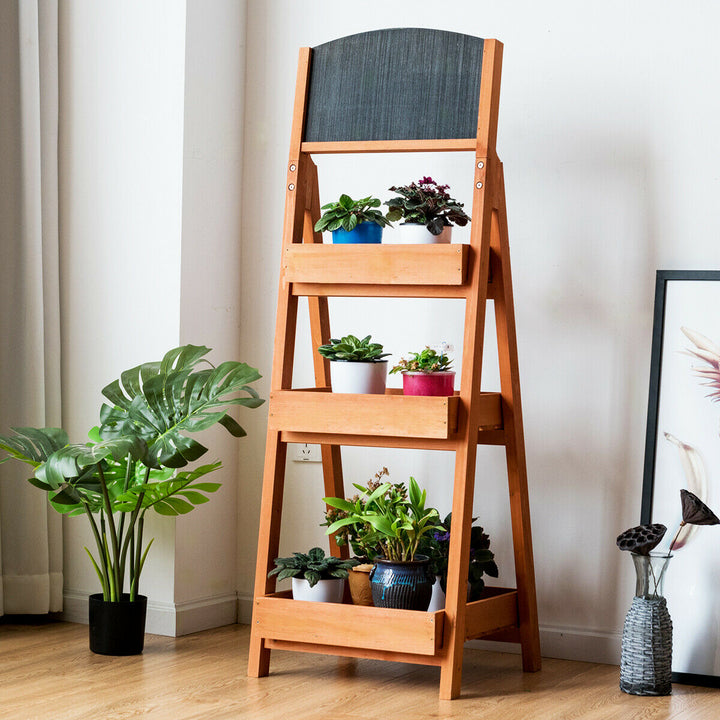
47 671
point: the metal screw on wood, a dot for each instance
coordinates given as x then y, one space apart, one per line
291 186
481 165
293 167
478 185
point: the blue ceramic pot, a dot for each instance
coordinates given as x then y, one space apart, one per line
365 232
402 585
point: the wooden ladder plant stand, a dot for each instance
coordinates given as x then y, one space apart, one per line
328 118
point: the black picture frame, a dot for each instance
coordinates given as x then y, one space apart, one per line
665 279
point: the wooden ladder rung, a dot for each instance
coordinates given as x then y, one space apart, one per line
390 146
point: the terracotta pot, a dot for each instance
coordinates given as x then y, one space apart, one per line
359 582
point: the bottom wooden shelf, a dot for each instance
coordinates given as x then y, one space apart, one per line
356 631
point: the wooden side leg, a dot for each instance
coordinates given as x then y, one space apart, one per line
268 542
320 334
514 439
459 557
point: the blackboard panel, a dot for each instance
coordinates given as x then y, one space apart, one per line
398 84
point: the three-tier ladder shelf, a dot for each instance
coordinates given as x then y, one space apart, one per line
400 90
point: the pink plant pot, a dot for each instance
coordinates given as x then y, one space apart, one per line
438 384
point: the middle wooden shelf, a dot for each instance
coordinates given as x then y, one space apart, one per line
374 419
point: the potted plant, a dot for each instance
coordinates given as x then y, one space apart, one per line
133 463
426 373
427 210
363 543
357 366
395 518
353 221
436 545
315 577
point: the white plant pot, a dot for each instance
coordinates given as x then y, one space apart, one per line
323 591
361 378
437 599
416 234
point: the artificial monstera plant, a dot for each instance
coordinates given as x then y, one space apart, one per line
137 458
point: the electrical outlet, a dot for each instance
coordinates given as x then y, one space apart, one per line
307 453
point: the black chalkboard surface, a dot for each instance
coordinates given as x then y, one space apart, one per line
397 84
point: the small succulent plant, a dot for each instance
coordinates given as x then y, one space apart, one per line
352 349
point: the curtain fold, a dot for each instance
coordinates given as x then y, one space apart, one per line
30 531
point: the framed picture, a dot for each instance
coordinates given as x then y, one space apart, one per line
682 450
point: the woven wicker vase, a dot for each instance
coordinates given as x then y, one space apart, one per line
646 661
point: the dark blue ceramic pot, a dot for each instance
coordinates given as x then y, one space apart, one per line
365 232
402 585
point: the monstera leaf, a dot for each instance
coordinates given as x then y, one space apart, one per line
161 402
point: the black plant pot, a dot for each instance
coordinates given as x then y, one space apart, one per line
402 585
117 628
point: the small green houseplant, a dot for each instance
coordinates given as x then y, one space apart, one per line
315 576
136 459
393 518
353 221
357 365
426 373
426 204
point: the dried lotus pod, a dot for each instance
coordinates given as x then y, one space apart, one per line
695 511
641 539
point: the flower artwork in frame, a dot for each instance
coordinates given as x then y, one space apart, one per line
682 450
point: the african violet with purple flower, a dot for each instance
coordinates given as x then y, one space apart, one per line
426 203
436 546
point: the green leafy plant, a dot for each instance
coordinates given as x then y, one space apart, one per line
312 566
426 203
352 349
132 462
347 214
390 517
426 361
436 545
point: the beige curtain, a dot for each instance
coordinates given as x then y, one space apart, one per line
30 531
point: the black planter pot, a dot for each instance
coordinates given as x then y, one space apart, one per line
402 585
117 628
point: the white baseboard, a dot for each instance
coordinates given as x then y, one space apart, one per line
163 618
245 608
567 643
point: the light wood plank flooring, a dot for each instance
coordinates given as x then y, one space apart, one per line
47 672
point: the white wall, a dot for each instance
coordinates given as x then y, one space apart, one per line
151 141
121 133
609 139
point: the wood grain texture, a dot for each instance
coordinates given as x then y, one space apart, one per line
376 264
49 674
354 626
386 415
